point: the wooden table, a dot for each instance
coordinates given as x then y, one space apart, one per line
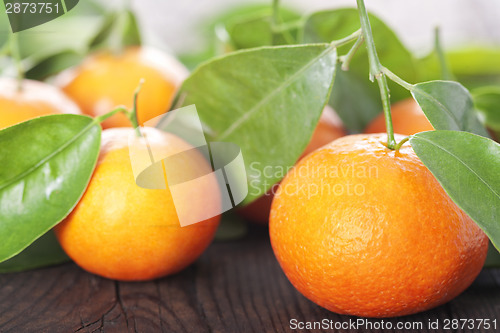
235 286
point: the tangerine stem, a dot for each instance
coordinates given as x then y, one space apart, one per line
401 143
132 115
397 79
346 40
101 118
348 57
376 71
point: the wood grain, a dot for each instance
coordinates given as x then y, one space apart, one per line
234 287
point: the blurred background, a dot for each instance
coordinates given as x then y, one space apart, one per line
180 23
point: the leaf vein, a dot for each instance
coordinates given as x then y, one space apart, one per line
273 93
462 162
48 157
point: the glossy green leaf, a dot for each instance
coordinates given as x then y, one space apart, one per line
448 106
467 166
487 102
267 101
46 164
355 98
45 251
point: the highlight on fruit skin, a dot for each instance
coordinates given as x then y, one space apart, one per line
105 80
121 231
407 119
363 230
329 128
28 99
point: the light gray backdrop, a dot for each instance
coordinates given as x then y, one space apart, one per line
461 21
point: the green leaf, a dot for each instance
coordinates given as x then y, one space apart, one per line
116 31
473 67
267 101
487 102
54 64
355 98
254 29
448 106
476 60
104 30
46 164
217 45
45 251
467 166
45 54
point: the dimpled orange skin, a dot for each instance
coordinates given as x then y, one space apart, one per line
328 129
105 81
121 231
397 247
33 99
407 119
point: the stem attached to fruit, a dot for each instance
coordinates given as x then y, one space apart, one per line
376 71
14 51
401 143
132 115
111 113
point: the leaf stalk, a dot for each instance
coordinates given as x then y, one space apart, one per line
376 71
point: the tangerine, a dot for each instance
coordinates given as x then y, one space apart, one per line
106 80
364 230
121 231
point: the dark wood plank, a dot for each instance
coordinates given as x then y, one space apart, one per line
234 287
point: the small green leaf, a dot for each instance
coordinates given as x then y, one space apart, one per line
448 106
487 102
46 164
45 251
467 166
355 98
267 101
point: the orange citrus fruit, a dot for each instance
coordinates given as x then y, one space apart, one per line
122 231
328 129
105 80
407 119
31 99
364 230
